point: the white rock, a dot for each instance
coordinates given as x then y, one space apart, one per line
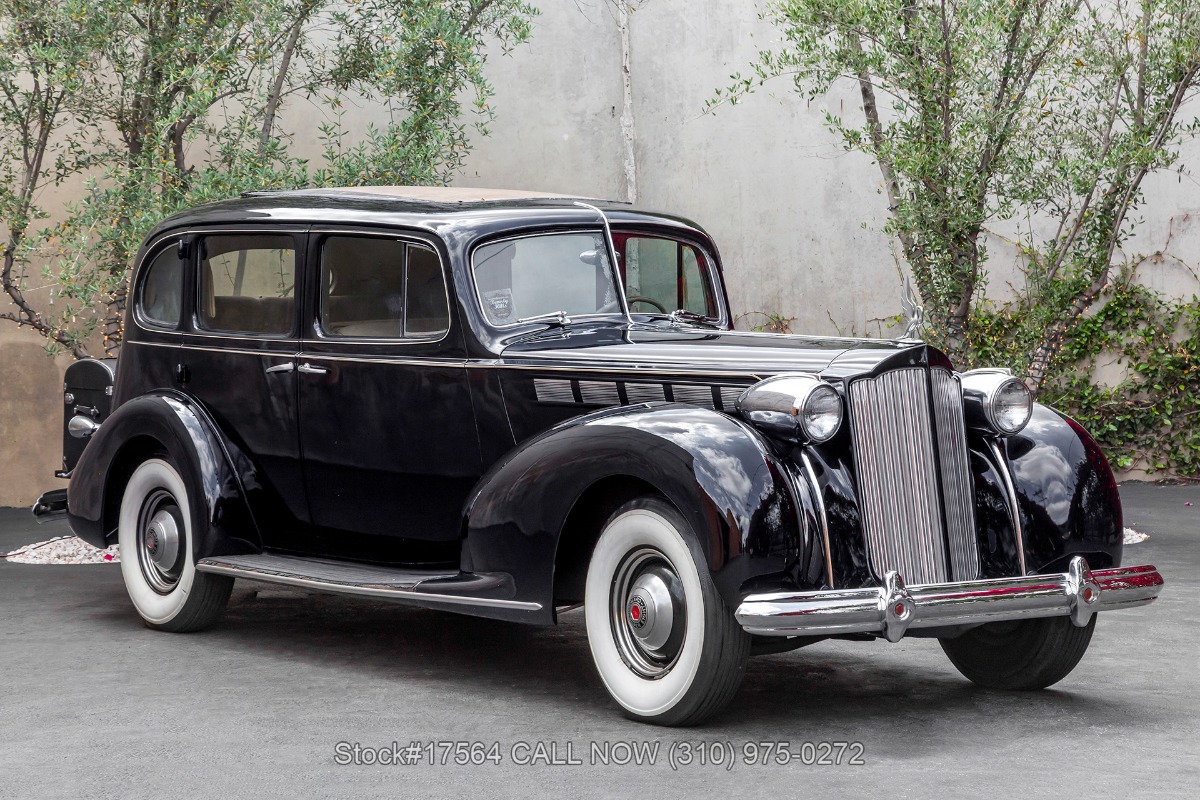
1133 537
63 550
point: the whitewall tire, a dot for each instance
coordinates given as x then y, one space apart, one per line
666 646
154 530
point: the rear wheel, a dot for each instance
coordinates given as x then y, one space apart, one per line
667 648
154 531
1022 655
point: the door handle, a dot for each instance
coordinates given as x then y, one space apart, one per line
288 367
309 369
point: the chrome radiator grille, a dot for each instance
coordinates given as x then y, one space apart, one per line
902 509
957 489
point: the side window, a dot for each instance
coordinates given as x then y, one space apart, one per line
428 308
162 288
662 275
248 283
378 287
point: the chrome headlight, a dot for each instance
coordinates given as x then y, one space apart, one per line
797 406
995 401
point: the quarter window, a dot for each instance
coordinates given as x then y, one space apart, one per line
248 283
162 289
377 287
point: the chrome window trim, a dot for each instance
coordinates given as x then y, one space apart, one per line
297 299
470 265
711 273
409 239
144 322
709 265
1011 492
181 232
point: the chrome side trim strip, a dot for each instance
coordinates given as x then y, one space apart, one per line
1013 508
819 501
890 610
378 592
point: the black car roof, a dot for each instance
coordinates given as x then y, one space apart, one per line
417 206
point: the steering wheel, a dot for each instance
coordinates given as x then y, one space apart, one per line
641 298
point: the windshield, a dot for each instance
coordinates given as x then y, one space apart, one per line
545 274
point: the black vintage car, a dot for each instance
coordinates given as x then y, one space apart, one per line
509 404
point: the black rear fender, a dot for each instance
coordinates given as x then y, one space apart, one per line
174 425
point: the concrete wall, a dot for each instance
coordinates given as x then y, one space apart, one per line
796 218
30 416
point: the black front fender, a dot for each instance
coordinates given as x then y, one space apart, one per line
211 467
720 473
1066 493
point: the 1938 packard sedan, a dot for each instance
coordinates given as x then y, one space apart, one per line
508 404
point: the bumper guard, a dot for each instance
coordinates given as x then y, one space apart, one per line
890 610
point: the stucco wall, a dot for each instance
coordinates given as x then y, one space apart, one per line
30 416
797 218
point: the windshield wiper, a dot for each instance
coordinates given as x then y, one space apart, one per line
681 315
558 317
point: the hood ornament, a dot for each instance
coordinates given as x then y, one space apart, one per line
913 311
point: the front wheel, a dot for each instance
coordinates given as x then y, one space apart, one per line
1022 655
667 648
154 530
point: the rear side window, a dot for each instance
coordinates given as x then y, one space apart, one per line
248 283
162 289
376 287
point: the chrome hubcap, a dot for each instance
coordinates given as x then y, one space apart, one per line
160 541
648 613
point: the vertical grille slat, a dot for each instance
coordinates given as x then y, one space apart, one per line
900 440
957 490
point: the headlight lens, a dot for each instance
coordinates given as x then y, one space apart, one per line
995 401
822 413
796 406
1012 406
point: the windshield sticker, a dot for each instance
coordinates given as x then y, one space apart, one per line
499 304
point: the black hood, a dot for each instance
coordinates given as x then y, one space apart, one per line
639 347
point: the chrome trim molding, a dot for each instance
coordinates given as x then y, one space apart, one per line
644 392
403 595
697 395
550 390
599 393
890 610
819 501
1011 494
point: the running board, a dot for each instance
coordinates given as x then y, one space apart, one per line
422 587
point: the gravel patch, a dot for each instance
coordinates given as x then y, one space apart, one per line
63 550
1134 537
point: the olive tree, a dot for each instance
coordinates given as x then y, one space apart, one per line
982 111
167 103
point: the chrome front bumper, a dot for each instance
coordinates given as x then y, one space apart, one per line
890 610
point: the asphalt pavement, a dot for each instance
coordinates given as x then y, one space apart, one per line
272 702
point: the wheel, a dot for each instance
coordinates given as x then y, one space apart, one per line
1024 655
667 648
650 301
154 530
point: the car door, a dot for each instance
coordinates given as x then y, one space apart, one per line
239 355
388 435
